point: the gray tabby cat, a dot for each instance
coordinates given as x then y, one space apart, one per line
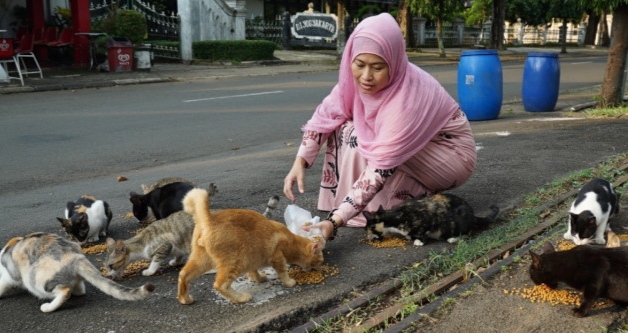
169 237
51 267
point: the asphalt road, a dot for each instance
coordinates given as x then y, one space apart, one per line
518 152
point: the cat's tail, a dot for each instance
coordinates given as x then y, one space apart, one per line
196 203
270 206
484 222
92 275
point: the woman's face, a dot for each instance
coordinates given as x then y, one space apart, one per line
370 73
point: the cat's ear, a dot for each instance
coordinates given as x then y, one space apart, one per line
367 215
317 247
64 222
548 248
536 259
135 198
82 218
381 209
110 242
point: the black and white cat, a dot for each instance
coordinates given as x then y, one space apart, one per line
54 268
86 219
443 216
595 270
595 203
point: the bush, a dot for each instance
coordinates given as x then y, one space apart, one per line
124 23
234 50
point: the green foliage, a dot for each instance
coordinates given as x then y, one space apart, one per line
124 23
234 50
531 13
367 10
443 10
480 12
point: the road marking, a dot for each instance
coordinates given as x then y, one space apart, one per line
555 119
232 96
501 133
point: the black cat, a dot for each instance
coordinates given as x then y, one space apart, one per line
162 201
442 216
595 270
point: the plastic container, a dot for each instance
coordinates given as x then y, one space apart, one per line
480 84
541 80
119 54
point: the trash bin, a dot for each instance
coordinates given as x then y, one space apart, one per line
144 57
480 90
541 80
119 54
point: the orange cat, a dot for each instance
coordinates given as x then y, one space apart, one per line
238 241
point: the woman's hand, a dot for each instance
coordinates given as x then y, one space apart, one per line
296 174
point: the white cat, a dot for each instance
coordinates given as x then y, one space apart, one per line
86 219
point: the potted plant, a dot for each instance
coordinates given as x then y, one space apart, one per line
129 24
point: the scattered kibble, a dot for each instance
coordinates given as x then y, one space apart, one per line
312 276
388 241
95 249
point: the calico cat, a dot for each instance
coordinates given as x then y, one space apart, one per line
86 219
162 201
441 216
51 267
597 271
238 241
166 238
595 203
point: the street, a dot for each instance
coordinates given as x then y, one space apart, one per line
242 134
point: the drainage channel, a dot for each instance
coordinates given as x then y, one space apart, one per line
498 258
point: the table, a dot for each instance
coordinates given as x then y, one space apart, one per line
92 47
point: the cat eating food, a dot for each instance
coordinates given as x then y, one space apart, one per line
595 203
162 201
238 241
166 238
86 219
595 270
51 267
443 216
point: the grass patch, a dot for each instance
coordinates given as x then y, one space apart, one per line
602 113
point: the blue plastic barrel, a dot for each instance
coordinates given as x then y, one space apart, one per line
480 89
541 80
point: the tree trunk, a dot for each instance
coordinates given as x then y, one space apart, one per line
563 37
497 25
612 93
605 40
589 35
439 38
404 17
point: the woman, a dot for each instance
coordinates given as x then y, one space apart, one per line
392 132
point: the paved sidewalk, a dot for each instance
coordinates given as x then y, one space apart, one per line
286 62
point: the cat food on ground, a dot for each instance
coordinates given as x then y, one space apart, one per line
95 249
544 294
312 276
564 245
388 241
133 269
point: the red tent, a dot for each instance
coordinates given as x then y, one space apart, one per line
80 23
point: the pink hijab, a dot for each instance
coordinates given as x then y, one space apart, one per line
397 122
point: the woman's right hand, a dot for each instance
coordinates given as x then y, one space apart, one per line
296 175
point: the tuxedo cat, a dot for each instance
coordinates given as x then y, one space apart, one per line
86 219
162 201
239 241
51 267
595 270
443 216
595 203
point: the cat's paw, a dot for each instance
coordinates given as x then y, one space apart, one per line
417 242
175 261
453 240
47 307
289 282
186 299
148 272
578 312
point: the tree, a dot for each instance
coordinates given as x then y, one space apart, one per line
440 11
612 93
404 18
497 25
566 11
